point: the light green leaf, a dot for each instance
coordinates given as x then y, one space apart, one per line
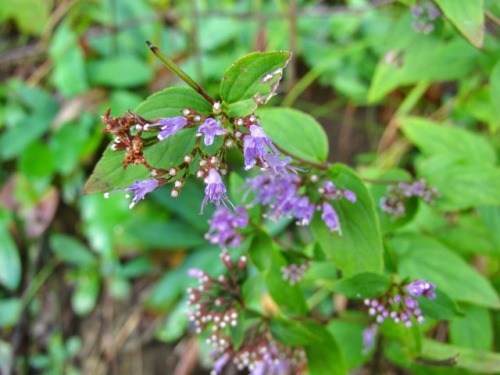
474 330
421 257
359 249
434 138
467 16
11 310
121 72
71 251
295 132
461 184
10 263
84 297
479 362
495 95
252 81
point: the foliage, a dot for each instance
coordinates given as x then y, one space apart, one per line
420 212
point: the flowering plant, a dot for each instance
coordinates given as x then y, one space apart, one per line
265 170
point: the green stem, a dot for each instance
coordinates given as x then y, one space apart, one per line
179 72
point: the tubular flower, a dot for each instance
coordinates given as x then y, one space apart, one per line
215 191
210 128
139 188
168 126
255 146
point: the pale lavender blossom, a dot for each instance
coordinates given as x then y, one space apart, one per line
168 126
223 225
421 287
330 217
277 165
294 272
369 336
210 128
303 210
139 188
215 191
256 145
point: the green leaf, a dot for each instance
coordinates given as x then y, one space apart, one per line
362 285
459 181
434 138
84 297
474 330
442 307
419 58
171 101
479 362
109 174
421 257
121 72
10 263
495 95
324 356
467 16
11 309
269 261
252 80
71 250
295 132
359 249
31 16
490 216
291 332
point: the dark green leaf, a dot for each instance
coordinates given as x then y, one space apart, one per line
10 263
421 257
291 332
359 249
295 132
495 96
442 307
252 80
467 16
362 285
324 356
434 138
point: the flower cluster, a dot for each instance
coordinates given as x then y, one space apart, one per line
399 303
294 272
215 302
424 17
394 202
223 226
263 355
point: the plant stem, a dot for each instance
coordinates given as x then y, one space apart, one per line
179 72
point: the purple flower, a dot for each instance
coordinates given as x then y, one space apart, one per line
369 336
210 128
303 210
221 362
277 165
330 217
215 191
168 126
421 287
255 146
223 226
139 188
350 196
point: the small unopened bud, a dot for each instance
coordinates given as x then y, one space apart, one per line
252 118
216 108
172 172
314 178
153 173
188 159
198 135
237 134
199 174
214 160
229 143
186 112
113 147
239 122
242 262
203 163
174 193
178 183
106 195
138 127
223 171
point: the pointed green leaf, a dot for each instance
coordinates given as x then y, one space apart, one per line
363 285
467 16
295 132
324 356
473 330
359 248
252 81
422 257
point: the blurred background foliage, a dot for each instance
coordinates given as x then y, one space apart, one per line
88 286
